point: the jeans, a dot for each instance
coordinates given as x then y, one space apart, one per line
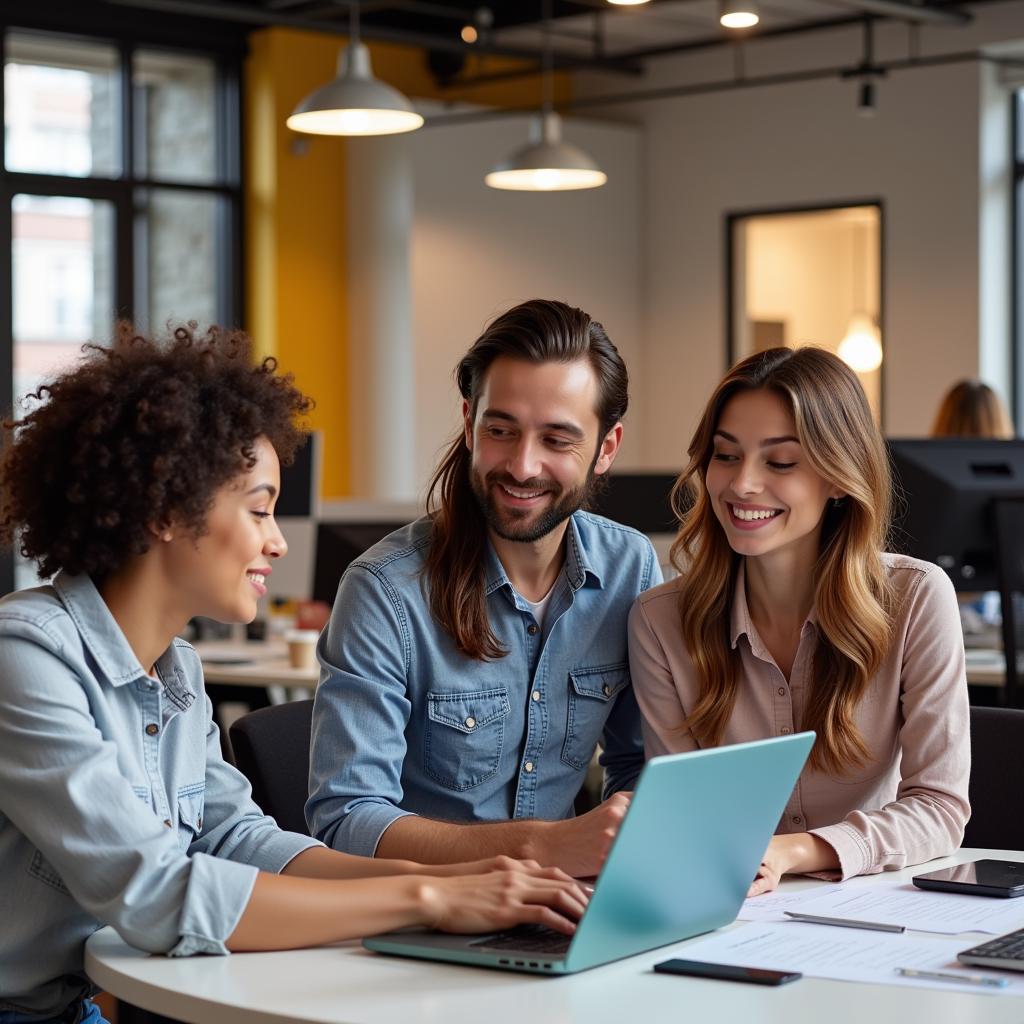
84 1012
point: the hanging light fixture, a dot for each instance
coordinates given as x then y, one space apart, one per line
628 3
546 163
861 347
738 13
355 103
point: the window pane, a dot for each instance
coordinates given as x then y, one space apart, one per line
61 106
180 269
175 113
63 262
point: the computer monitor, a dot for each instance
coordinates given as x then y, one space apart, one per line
946 495
640 500
960 503
337 544
300 482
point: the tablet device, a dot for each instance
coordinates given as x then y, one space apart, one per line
1002 878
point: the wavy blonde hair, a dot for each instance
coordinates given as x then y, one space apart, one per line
853 597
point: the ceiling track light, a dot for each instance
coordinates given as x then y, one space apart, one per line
546 163
866 72
354 103
738 13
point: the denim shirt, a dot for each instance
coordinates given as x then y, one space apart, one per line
116 806
404 723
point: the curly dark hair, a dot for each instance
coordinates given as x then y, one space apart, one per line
138 435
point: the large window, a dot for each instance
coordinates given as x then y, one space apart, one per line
120 197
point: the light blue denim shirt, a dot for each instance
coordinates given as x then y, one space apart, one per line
406 724
116 806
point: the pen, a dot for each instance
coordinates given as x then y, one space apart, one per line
964 979
843 922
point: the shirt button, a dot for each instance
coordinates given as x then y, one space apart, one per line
152 729
785 730
782 691
528 767
470 722
531 628
607 690
535 696
797 820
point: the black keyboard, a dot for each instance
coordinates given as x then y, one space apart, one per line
527 938
1006 951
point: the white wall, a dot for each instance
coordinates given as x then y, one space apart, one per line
798 144
477 251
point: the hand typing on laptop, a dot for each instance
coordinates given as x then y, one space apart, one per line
517 893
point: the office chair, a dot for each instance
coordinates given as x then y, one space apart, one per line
997 777
271 748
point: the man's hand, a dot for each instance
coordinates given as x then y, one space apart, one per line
580 845
502 899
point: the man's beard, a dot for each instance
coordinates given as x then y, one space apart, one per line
518 524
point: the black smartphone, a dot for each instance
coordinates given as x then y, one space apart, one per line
1002 878
727 972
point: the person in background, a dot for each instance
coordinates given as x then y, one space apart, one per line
972 409
475 658
144 482
789 615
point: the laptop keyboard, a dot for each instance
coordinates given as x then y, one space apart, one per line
527 938
1005 951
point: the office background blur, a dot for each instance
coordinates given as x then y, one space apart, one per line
148 172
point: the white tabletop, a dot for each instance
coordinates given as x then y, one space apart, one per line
345 984
252 663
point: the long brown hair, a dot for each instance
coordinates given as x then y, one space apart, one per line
852 594
972 409
538 331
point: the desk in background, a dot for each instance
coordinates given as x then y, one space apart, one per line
345 984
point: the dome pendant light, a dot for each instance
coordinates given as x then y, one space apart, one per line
355 103
546 163
738 13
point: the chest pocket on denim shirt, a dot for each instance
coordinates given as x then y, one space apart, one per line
464 736
591 692
190 813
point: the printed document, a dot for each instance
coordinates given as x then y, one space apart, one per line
844 954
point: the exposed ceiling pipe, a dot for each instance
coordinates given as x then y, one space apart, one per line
925 13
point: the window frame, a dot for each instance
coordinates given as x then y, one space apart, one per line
226 52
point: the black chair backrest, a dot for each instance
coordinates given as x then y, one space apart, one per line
997 780
271 748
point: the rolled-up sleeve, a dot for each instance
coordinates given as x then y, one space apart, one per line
62 789
927 818
360 715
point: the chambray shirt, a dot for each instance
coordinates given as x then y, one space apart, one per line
116 806
406 724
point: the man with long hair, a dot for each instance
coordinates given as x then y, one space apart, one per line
476 657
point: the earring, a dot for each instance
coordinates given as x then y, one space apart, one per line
837 502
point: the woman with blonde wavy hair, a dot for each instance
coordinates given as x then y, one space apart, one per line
788 614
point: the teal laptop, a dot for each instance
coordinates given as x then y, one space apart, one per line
685 855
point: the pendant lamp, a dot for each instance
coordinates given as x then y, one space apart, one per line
355 103
546 163
861 347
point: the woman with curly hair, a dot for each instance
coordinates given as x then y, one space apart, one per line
144 482
788 614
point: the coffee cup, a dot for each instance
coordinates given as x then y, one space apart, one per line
301 647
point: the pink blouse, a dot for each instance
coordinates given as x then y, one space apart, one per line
908 804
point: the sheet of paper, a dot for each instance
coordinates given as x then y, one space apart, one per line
947 913
844 954
770 906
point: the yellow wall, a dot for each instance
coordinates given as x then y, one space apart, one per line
295 202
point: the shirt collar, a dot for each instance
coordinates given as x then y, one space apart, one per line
102 636
577 568
742 623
